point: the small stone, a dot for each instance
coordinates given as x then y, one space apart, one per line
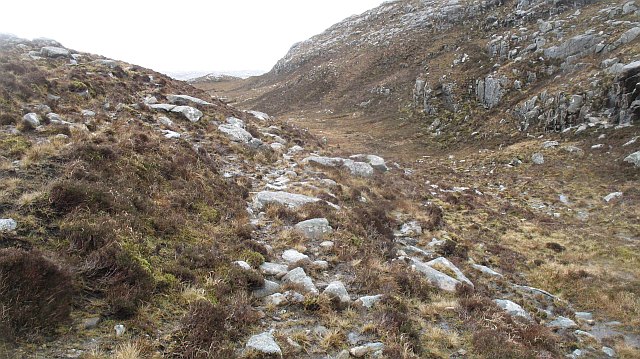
294 297
267 289
327 245
369 348
486 270
314 229
512 308
53 51
274 269
165 121
537 158
31 120
586 316
8 225
320 265
338 292
609 352
343 355
171 134
190 113
276 299
299 277
550 144
369 301
186 100
120 329
293 256
91 323
88 113
611 196
634 159
243 265
562 323
264 343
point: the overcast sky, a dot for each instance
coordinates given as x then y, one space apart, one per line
184 35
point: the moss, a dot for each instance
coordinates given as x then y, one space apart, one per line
207 213
255 259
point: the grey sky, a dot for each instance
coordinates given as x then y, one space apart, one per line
185 35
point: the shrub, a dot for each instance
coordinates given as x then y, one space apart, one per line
35 293
67 196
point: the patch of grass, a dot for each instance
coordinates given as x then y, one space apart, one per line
14 146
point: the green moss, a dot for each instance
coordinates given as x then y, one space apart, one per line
207 213
255 259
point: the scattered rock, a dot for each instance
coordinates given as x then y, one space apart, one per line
88 113
634 159
609 352
537 158
31 120
443 262
562 323
409 229
235 133
299 277
512 308
327 245
8 225
120 329
53 52
290 200
260 115
435 277
611 196
190 113
486 270
293 256
274 269
186 100
320 265
314 229
360 169
337 292
368 348
266 290
91 323
276 299
369 301
242 264
294 297
550 144
324 161
170 134
585 316
264 343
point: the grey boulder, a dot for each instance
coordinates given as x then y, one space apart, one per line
290 200
512 308
186 100
53 51
31 120
299 277
264 343
634 159
235 133
315 228
338 292
8 225
190 113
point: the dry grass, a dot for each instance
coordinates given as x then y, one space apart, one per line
129 350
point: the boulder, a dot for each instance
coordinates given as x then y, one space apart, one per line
8 225
489 90
260 115
170 134
233 121
337 292
264 343
323 161
186 100
486 270
235 133
242 264
314 229
444 262
53 51
290 200
512 308
634 159
378 163
299 277
435 277
360 169
31 120
190 113
162 106
369 301
577 45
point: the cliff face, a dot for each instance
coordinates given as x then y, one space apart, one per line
515 65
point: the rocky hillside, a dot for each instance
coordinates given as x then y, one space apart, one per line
142 218
456 70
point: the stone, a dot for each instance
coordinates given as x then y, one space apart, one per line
435 277
409 229
575 104
315 229
242 264
320 265
293 256
31 120
360 169
170 134
162 106
87 113
550 144
337 292
512 308
274 269
260 115
378 163
120 329
343 355
609 352
486 270
537 158
489 91
444 262
276 299
295 150
8 225
186 100
255 143
299 277
290 200
233 121
634 159
235 133
586 316
190 113
165 121
629 7
324 161
327 245
577 45
294 297
267 289
611 196
150 100
264 343
277 147
53 51
369 348
91 323
562 323
369 301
